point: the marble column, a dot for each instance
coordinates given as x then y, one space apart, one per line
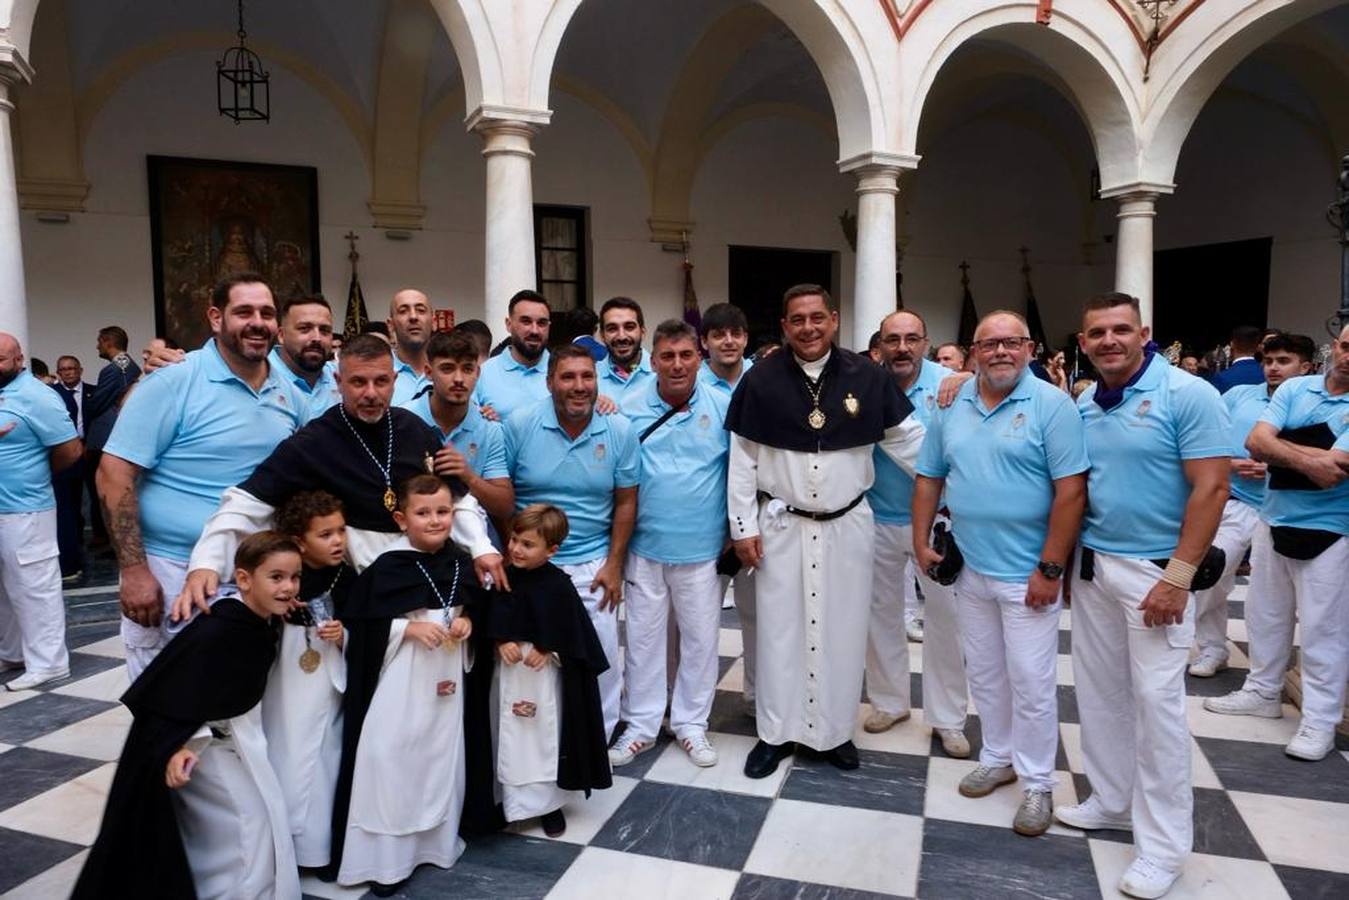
507 147
13 300
874 284
1133 242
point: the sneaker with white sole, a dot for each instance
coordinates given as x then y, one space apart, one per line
1089 816
1146 879
700 751
953 742
1208 665
1245 702
1311 744
30 680
879 720
626 750
985 780
1034 815
913 630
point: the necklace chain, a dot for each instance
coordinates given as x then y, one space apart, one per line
387 469
454 586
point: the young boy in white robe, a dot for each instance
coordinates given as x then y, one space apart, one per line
549 720
195 809
400 788
302 708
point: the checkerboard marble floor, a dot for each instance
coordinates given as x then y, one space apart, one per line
1266 826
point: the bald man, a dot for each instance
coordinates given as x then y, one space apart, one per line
37 438
410 325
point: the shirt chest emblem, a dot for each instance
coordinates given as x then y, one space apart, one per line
1143 408
600 453
472 451
931 402
705 422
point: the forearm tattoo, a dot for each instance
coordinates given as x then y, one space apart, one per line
124 527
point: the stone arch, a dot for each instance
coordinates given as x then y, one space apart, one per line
1188 67
1081 47
469 27
16 24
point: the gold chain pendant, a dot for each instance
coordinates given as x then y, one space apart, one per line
309 660
390 500
816 418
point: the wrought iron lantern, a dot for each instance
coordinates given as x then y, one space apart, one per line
242 84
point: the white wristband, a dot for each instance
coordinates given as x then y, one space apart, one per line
1179 573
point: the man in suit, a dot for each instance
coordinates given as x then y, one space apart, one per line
1245 368
101 412
69 483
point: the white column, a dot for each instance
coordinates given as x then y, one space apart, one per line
13 298
1133 241
507 140
874 283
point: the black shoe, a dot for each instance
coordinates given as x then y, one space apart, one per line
554 823
844 756
386 890
764 758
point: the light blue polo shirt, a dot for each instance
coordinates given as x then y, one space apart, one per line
1297 403
1137 490
42 422
681 501
618 388
999 466
1245 403
577 476
891 495
323 395
407 381
196 429
712 379
482 442
506 385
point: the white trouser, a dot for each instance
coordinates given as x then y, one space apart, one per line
913 607
1010 655
1131 698
1317 590
944 692
32 610
606 627
1234 537
742 587
143 644
693 591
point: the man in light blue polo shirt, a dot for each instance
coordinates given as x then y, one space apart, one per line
623 370
588 465
1010 453
724 335
1159 440
518 376
37 438
304 349
478 445
903 350
410 326
672 560
1284 356
185 434
1300 556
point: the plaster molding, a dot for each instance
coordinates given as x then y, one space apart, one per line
14 68
669 231
492 115
395 214
54 194
879 158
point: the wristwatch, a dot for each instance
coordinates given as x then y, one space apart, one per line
1051 570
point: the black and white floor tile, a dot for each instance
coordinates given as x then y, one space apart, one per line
1266 826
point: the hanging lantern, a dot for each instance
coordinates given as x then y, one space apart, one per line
241 82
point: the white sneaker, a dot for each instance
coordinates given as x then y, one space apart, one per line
1208 665
30 680
700 752
954 743
626 750
1310 743
913 630
1146 879
1245 703
1089 816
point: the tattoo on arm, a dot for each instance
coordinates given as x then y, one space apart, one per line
124 527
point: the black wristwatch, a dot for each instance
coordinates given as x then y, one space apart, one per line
1051 570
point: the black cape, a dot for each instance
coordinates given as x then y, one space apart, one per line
333 580
388 588
859 399
215 669
544 609
325 455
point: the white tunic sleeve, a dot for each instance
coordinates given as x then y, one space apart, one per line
239 515
902 442
742 488
470 526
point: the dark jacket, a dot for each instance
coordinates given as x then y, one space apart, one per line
100 408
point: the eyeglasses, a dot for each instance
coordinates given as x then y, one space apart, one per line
903 340
992 344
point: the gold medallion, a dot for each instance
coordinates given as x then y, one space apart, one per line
430 464
816 418
851 406
309 660
390 500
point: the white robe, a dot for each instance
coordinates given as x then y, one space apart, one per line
233 819
302 717
527 747
407 790
814 583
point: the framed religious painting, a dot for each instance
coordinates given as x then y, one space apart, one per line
210 219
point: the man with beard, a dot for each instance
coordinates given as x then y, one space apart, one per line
1010 454
903 349
410 325
588 465
622 329
517 377
303 349
188 432
804 425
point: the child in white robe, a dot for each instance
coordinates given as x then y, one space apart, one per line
302 709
